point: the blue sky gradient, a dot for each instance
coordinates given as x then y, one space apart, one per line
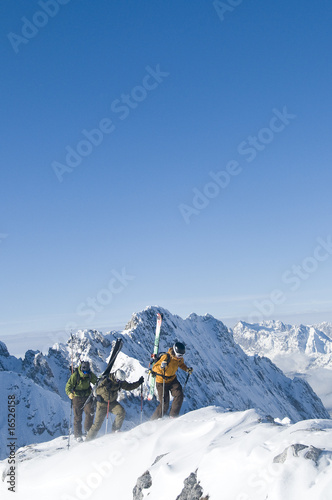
179 89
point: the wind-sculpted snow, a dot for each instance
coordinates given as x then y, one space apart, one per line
223 375
215 454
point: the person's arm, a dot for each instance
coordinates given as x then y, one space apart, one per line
70 385
184 367
127 386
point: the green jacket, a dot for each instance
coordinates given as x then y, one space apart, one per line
108 389
79 383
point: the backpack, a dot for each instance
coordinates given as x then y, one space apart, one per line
157 358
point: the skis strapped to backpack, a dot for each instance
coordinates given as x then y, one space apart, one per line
155 352
115 351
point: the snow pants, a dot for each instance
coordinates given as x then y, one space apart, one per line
101 413
78 403
175 389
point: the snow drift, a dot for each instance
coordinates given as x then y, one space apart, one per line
205 454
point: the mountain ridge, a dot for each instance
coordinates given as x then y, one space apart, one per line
223 373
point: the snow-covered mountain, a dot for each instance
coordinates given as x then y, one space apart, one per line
207 454
273 338
325 328
223 375
300 350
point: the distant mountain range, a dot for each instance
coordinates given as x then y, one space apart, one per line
224 375
273 338
300 350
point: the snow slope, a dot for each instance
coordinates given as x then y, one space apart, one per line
40 414
298 350
217 455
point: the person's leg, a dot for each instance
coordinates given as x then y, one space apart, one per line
99 419
119 413
177 393
89 414
157 412
78 412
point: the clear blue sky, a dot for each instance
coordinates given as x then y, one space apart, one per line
178 89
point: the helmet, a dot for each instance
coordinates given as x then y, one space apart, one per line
120 375
85 367
179 349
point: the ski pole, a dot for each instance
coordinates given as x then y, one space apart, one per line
71 401
163 399
184 386
108 408
141 403
70 421
72 354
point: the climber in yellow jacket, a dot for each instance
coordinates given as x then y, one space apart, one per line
166 382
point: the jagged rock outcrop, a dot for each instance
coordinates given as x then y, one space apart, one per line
297 450
192 490
143 482
3 350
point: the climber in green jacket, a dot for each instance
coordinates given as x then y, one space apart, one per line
78 389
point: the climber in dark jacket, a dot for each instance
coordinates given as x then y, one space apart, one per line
107 394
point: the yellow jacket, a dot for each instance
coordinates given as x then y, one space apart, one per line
173 363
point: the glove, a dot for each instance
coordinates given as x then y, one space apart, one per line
153 356
163 365
141 380
71 395
190 370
